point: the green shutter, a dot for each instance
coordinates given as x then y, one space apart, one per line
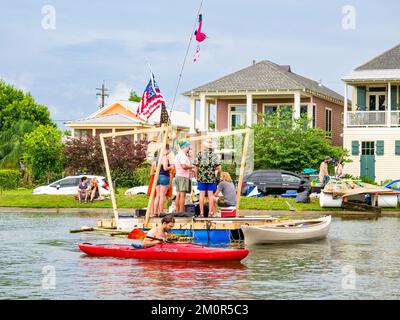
362 97
355 148
380 148
397 148
394 97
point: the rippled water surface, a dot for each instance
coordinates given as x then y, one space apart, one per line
360 259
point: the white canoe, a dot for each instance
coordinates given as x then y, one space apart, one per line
304 230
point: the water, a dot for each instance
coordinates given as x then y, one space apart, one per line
359 260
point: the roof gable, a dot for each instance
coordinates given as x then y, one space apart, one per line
119 107
389 59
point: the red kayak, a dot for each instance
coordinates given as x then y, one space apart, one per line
167 251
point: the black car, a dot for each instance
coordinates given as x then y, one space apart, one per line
274 181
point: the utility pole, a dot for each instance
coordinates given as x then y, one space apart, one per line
102 93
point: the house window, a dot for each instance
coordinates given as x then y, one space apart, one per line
376 99
328 122
303 109
272 108
368 148
314 116
238 115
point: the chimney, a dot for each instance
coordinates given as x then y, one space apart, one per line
254 62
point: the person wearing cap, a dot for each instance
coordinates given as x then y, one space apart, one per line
182 177
324 172
207 165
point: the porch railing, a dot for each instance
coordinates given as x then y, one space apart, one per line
366 119
395 119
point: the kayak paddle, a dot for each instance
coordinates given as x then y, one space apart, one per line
136 234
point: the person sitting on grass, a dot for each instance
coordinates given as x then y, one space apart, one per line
94 190
159 233
227 188
83 190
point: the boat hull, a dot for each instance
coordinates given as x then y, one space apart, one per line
168 251
280 234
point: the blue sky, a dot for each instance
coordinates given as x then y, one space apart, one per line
111 40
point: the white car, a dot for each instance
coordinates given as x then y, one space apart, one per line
69 185
143 189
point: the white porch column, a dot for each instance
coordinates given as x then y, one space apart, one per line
203 113
207 116
249 110
192 115
72 132
389 104
93 132
296 113
345 106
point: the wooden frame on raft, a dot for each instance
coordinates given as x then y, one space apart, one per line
162 130
246 131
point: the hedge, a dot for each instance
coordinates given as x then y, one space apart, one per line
9 178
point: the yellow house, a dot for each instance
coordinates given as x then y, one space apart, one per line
121 116
118 116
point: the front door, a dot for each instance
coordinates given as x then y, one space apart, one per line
367 161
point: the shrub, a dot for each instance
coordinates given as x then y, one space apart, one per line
231 169
9 179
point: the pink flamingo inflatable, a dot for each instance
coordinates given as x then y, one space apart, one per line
200 37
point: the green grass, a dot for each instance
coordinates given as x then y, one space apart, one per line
25 198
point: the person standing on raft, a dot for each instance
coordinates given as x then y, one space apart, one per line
182 178
163 182
160 232
207 165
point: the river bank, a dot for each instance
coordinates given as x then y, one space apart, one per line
24 201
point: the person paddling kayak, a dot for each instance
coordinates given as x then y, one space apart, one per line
160 232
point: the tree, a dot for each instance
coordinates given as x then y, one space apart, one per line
134 97
43 151
15 105
283 143
85 155
11 140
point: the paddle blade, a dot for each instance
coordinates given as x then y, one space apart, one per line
136 234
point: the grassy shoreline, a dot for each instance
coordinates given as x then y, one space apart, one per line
25 198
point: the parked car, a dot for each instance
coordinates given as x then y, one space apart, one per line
394 185
69 185
274 181
143 189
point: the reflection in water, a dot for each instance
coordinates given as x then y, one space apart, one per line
313 270
156 279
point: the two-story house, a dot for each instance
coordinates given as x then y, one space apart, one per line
264 87
372 124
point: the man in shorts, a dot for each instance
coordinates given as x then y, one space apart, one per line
183 176
207 165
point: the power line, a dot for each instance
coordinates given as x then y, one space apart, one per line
102 94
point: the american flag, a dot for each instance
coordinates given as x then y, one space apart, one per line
151 99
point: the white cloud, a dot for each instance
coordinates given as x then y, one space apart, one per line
22 81
120 92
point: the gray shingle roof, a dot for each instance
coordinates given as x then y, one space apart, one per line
387 60
266 75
